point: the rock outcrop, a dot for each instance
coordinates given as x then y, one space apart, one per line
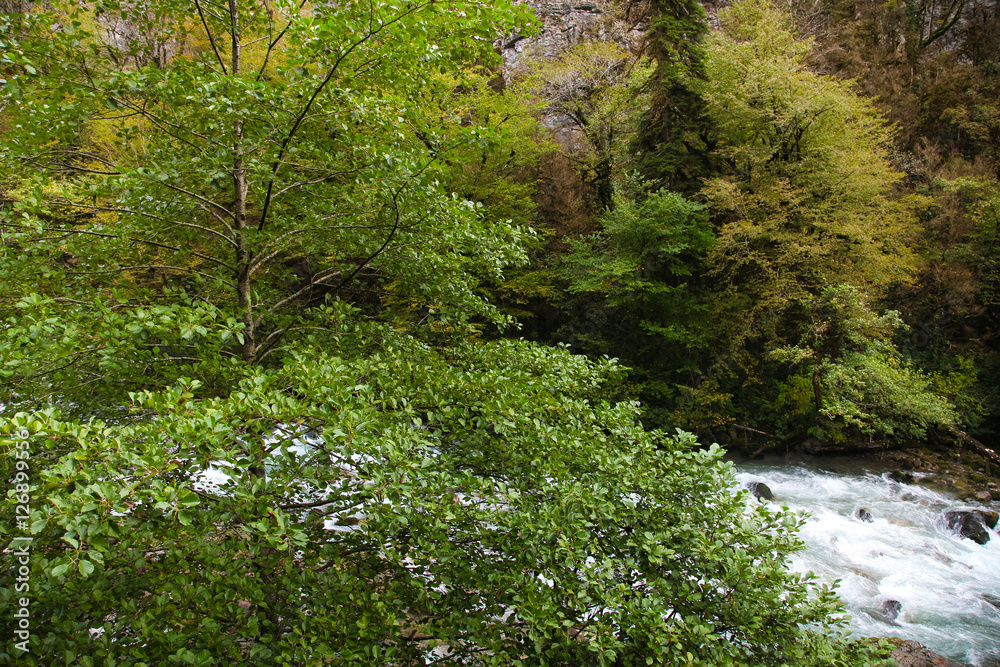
566 24
988 518
891 609
911 654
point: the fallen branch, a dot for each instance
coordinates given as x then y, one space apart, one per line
753 430
965 438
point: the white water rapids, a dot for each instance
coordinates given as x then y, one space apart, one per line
948 587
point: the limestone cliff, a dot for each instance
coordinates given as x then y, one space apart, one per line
566 23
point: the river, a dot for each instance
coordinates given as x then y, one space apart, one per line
947 587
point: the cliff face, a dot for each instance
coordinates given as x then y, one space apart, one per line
564 200
565 196
566 23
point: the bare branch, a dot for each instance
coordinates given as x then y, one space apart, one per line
274 42
211 39
203 200
299 184
208 258
392 233
115 209
264 259
73 358
313 281
221 221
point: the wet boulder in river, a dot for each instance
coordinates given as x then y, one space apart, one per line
891 609
968 523
901 476
864 515
988 518
991 600
760 491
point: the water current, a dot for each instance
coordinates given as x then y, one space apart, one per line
947 587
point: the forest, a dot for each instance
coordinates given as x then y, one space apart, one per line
406 333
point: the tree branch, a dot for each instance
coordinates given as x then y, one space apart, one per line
165 267
270 47
371 34
211 40
129 211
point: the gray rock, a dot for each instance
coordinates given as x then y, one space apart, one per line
968 524
891 609
991 600
760 491
911 654
988 518
564 25
864 515
901 476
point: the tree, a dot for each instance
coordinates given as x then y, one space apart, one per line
597 87
861 385
640 271
640 245
675 137
930 66
805 202
477 505
263 161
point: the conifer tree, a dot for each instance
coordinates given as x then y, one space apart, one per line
675 137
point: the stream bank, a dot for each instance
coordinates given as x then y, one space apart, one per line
967 471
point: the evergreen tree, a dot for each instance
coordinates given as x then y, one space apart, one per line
676 137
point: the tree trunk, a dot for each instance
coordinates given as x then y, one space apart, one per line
244 256
817 392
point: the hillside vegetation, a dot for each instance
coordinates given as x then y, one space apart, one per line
322 341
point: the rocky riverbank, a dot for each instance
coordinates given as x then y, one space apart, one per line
909 653
968 470
960 472
914 561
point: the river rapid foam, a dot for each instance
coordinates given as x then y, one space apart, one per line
947 587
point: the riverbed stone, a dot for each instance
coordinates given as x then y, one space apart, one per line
909 653
901 476
969 524
988 517
992 600
864 515
891 609
760 491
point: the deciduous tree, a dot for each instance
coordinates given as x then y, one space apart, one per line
806 202
268 158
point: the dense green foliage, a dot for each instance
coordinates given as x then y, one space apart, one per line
247 411
810 192
254 382
475 500
675 136
805 204
857 377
